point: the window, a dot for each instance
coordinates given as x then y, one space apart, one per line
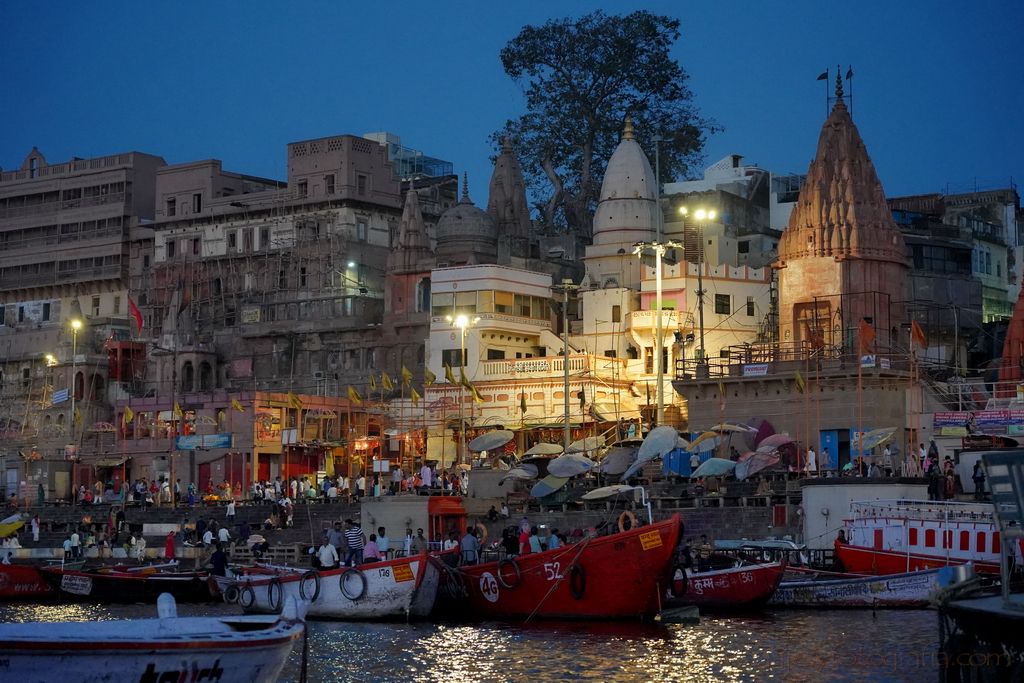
361 229
616 314
965 540
21 314
451 358
610 353
303 188
743 247
750 306
361 184
980 542
95 306
723 353
495 354
282 280
233 240
145 261
723 305
170 249
503 302
929 538
195 246
46 311
197 202
302 277
171 206
264 239
117 305
649 359
913 536
247 240
329 184
995 543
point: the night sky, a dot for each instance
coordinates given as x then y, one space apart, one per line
937 85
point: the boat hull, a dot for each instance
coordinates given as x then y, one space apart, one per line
908 590
748 586
198 650
619 576
123 587
403 588
860 560
22 582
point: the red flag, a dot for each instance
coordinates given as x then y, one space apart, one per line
867 336
135 313
917 335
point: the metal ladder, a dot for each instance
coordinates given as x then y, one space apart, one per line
1005 474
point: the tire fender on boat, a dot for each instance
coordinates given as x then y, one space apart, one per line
275 606
627 515
247 597
483 533
516 574
343 581
232 593
577 581
678 581
315 576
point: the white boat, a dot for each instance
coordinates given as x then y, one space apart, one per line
168 648
910 589
402 588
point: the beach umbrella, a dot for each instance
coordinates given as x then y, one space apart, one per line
617 460
544 449
490 440
608 492
876 437
704 445
522 472
591 443
547 486
570 464
714 467
757 462
682 443
659 442
734 427
774 441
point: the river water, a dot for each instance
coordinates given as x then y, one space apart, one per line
786 646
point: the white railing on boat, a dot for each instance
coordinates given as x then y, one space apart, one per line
925 510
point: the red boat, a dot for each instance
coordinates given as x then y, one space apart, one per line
899 536
620 576
22 582
742 586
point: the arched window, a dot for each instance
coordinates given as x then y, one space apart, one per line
188 377
423 295
205 377
96 388
79 385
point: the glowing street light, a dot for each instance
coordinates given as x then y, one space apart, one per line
462 322
702 215
76 325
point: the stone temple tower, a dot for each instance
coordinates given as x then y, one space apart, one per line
507 206
841 258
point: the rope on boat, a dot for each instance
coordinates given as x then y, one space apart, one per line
582 546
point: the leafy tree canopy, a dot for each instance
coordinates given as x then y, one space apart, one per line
582 78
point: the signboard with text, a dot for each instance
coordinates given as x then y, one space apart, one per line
191 442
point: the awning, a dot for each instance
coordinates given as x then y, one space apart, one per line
610 410
552 423
110 462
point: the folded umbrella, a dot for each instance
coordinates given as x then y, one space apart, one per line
608 491
544 449
570 464
547 486
661 441
714 467
617 460
591 443
490 440
774 441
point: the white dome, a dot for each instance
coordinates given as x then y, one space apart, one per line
628 208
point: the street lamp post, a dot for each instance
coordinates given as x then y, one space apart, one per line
702 215
76 325
462 322
659 249
566 287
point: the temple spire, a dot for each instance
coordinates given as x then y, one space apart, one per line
627 130
839 83
465 187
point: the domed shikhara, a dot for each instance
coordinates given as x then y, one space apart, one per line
627 211
466 234
506 196
841 211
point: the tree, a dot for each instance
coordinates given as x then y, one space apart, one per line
581 79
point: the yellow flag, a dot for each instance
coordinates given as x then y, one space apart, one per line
385 381
354 396
237 406
220 417
294 401
801 385
129 415
177 409
373 382
406 375
477 398
448 376
463 380
428 377
415 397
78 416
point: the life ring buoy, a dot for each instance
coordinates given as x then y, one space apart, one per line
483 533
517 575
678 581
315 576
627 516
344 584
232 593
577 581
247 597
275 605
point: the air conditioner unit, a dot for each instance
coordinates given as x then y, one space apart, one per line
318 376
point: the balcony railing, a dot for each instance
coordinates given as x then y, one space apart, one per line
551 366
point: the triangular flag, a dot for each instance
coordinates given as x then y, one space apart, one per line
416 397
477 398
385 381
177 409
78 416
237 406
129 415
373 382
463 380
136 314
294 401
867 336
428 377
354 396
448 376
406 375
522 403
917 335
800 383
823 76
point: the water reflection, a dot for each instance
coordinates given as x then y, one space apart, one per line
784 646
